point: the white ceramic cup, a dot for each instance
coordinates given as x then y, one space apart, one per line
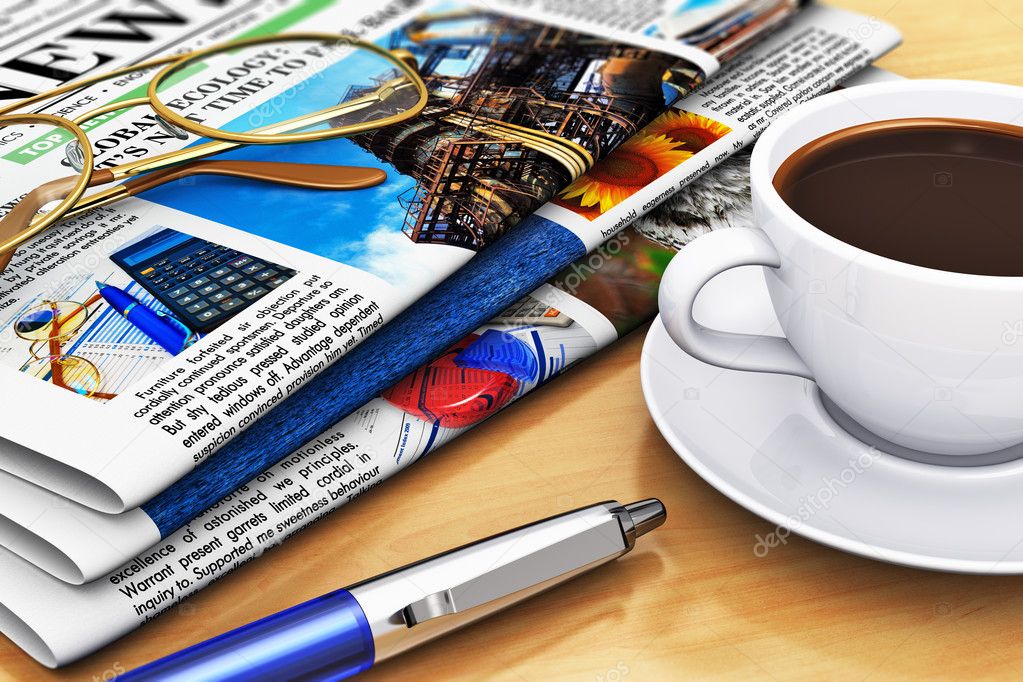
931 361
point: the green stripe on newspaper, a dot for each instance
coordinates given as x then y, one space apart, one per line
56 138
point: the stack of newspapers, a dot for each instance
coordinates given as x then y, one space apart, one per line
340 336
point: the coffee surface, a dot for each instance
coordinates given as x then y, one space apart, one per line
940 193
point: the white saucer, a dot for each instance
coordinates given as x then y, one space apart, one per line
766 442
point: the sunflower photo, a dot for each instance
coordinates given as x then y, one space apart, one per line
663 145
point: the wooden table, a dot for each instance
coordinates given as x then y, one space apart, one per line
693 600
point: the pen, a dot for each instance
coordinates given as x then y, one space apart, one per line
345 632
168 332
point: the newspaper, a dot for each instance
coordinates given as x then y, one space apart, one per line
585 307
20 18
78 544
298 277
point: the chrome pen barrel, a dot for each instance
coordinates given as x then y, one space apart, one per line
419 602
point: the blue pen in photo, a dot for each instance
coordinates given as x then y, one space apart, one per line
168 332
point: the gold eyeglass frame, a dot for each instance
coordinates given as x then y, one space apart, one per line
62 209
72 202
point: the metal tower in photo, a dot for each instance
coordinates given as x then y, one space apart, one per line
517 111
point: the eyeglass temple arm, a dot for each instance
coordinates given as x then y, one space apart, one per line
308 175
311 176
20 217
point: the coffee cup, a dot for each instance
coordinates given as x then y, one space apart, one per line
927 360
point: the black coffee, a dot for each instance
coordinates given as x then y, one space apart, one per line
941 193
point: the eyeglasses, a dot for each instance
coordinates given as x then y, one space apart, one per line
305 86
47 326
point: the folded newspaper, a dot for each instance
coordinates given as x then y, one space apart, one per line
277 283
536 339
79 545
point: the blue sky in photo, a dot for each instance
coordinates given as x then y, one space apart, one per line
695 4
360 228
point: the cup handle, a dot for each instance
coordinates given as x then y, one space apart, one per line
695 265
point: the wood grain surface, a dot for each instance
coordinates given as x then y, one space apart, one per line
693 600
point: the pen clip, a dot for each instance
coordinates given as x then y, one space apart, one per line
190 336
543 565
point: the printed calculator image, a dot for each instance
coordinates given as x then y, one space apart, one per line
529 310
202 283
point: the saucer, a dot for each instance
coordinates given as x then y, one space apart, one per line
766 442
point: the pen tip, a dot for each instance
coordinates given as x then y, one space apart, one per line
647 515
100 285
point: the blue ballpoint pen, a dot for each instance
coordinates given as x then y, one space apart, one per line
347 631
166 331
